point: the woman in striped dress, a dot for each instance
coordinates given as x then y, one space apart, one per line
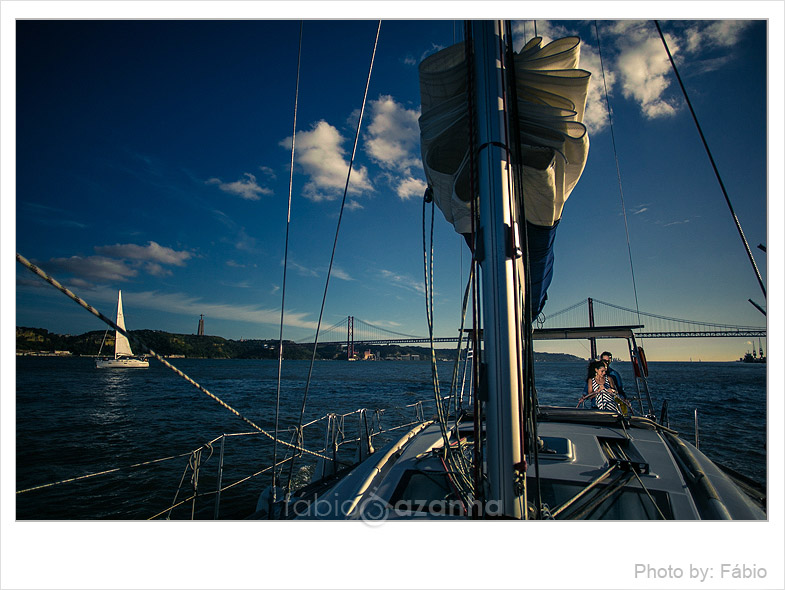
599 387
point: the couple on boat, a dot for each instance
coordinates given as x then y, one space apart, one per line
604 387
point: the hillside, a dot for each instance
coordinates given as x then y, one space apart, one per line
38 340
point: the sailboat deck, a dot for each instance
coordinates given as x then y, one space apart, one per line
591 465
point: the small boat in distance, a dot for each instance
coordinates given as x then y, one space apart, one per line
123 355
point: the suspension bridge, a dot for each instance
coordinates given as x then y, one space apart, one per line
353 331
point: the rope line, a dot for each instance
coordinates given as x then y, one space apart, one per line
52 281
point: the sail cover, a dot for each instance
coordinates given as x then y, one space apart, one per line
551 102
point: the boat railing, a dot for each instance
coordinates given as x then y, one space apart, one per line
322 448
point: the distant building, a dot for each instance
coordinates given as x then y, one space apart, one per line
200 331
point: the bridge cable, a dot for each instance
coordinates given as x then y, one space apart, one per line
618 169
713 164
285 263
335 242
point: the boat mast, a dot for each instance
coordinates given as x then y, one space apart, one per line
503 353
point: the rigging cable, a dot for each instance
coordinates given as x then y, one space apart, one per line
285 260
618 171
335 241
102 342
713 165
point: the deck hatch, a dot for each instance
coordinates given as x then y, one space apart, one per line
556 448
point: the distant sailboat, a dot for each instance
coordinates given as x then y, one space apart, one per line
123 356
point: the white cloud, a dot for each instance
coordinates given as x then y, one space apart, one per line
243 241
707 35
320 155
393 142
339 273
646 74
635 60
118 263
642 62
179 303
411 60
94 268
152 252
393 135
302 270
410 187
269 172
403 281
683 221
247 187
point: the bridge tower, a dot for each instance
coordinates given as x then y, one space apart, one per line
350 338
593 341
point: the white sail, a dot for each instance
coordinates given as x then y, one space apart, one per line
121 345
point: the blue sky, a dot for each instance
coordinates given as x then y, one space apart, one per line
153 157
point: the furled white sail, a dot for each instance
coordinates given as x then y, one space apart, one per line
551 103
121 345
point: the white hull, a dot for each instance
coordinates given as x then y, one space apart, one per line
122 363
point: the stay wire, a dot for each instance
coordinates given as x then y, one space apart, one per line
618 171
335 240
285 264
713 164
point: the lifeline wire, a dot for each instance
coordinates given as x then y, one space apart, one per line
285 260
52 281
335 241
89 475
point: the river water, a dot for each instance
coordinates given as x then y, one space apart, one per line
74 420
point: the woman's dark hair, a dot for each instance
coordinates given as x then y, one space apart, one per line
593 366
